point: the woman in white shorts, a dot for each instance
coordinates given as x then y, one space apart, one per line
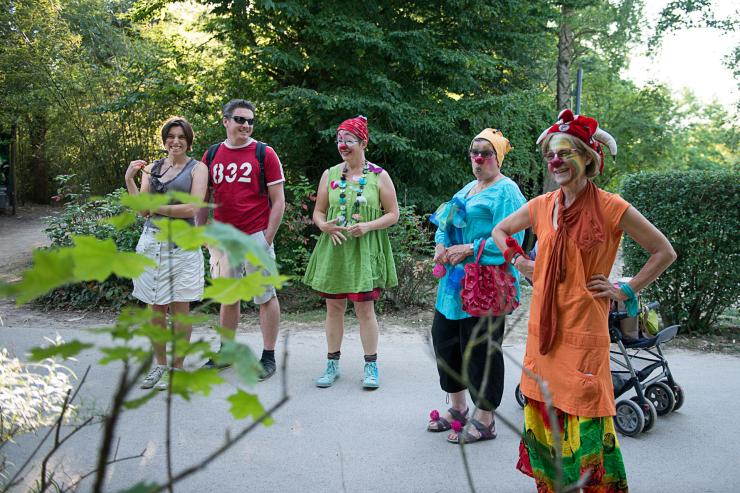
178 277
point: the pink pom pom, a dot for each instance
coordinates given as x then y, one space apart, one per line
456 426
439 271
434 415
334 184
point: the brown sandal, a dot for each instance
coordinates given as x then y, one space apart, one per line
486 432
442 424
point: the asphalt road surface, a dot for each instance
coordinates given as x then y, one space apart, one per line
347 439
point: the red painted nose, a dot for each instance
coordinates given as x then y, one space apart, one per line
479 160
343 147
554 163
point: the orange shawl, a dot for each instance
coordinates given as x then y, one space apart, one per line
583 222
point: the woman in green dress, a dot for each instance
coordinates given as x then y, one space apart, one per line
355 204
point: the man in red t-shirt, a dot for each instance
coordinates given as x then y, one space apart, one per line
234 179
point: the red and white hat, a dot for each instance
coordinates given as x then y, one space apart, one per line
585 128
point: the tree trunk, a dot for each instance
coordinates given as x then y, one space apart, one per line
40 173
565 59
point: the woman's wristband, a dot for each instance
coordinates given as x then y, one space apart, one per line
631 302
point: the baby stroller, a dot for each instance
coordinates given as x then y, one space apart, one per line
639 364
657 394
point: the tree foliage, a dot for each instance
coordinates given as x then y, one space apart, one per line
87 82
425 79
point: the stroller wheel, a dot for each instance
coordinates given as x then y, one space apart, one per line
662 397
648 412
520 399
678 393
630 419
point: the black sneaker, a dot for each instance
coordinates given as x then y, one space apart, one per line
212 365
268 369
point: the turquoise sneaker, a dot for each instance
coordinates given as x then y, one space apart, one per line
371 376
330 374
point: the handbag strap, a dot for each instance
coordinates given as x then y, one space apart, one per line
480 251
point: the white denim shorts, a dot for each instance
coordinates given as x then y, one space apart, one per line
220 267
178 275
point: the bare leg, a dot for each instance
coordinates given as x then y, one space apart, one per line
160 319
365 311
270 322
229 319
335 324
183 308
457 402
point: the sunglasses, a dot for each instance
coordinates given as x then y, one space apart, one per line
241 120
161 173
483 154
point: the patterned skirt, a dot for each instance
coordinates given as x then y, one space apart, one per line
589 446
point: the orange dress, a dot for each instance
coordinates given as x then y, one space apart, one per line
576 369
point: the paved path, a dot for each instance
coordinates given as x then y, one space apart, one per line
19 235
347 439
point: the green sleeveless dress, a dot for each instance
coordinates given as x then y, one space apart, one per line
359 264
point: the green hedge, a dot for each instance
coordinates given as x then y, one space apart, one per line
699 212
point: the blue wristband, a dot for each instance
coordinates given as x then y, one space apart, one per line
631 302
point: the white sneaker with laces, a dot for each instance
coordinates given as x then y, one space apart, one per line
155 373
164 382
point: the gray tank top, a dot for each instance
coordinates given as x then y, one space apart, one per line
183 182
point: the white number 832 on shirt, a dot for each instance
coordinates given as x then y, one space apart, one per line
230 172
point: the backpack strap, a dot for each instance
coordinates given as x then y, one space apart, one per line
211 153
260 154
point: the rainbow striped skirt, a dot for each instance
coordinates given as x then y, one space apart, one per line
589 447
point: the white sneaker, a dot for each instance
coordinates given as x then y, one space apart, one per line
155 373
164 382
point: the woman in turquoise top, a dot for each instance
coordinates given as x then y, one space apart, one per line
355 204
463 223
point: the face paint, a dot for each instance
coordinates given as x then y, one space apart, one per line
479 160
567 164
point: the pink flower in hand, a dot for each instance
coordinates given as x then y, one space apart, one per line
439 271
456 426
434 415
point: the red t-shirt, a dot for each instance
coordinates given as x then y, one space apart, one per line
234 174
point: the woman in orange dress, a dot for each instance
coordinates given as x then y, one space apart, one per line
578 227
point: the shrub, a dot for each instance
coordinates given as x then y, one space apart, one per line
31 394
81 215
413 249
698 212
295 238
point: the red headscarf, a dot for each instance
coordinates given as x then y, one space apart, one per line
356 126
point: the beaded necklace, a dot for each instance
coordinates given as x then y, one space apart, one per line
354 217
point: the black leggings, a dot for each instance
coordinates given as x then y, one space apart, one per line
450 338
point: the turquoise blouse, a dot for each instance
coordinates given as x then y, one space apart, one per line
473 221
